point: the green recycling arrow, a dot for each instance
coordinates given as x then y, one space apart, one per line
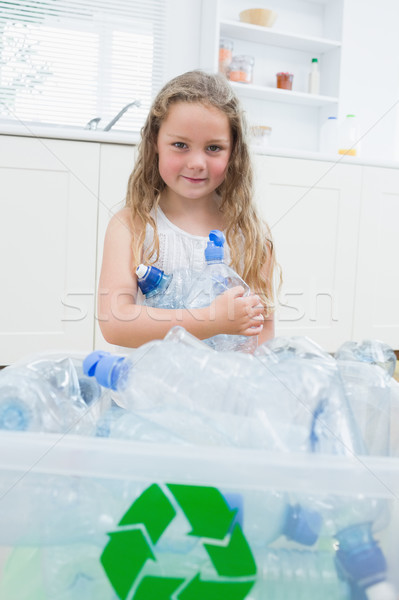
235 559
157 588
198 589
210 517
206 510
123 558
153 510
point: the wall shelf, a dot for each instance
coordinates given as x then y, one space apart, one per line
305 30
273 37
259 92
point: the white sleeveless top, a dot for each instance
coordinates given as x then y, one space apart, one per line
177 248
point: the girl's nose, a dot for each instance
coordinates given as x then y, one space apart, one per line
196 160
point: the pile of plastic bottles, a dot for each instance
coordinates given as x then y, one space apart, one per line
286 396
289 396
187 289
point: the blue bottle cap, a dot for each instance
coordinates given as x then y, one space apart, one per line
361 563
150 280
104 366
302 525
214 249
15 415
236 504
90 362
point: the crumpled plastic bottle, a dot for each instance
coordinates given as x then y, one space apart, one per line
192 392
334 430
366 369
311 411
215 279
49 393
162 290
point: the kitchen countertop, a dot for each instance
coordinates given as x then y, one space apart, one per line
116 136
333 158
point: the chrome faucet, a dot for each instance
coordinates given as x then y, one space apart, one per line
120 113
93 123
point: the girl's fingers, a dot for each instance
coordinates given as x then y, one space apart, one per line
236 291
253 330
259 318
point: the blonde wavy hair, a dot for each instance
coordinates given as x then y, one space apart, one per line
247 235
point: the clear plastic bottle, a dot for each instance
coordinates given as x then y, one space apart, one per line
293 574
234 398
202 396
334 430
329 136
349 138
314 78
216 278
366 369
163 290
310 396
49 393
55 509
371 352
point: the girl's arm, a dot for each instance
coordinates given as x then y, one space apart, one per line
268 330
125 323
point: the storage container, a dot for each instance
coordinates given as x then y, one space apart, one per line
284 81
226 47
241 69
84 518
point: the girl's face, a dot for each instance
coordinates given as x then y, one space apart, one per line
194 147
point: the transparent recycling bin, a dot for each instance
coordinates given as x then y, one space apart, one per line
87 518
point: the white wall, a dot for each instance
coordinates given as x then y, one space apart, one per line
183 45
369 85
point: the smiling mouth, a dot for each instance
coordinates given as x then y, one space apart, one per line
194 179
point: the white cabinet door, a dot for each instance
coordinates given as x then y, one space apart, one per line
377 291
312 208
49 191
116 164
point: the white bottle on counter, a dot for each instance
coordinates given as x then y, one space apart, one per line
329 136
314 77
349 139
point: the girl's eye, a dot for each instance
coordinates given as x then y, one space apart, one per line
180 145
214 148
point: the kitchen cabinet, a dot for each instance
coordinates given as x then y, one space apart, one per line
312 208
48 229
334 226
335 231
376 314
116 164
303 30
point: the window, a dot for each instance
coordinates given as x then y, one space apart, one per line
65 62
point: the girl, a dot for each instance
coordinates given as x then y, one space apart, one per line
193 174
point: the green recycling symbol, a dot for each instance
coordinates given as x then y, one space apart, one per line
211 520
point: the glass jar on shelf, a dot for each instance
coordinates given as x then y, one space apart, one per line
225 55
241 69
284 80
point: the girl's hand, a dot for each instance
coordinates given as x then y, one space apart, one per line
236 314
